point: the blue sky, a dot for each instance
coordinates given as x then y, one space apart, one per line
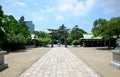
53 13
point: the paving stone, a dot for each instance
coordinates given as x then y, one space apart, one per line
59 62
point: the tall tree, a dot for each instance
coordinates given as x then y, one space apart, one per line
16 35
61 35
107 29
62 27
99 26
2 33
77 33
26 31
41 34
114 25
1 15
22 22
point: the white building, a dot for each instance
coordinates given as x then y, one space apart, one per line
30 25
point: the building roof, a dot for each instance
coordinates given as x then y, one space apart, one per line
90 36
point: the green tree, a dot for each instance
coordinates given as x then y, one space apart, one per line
16 35
107 29
2 34
1 15
76 42
22 21
43 38
25 31
60 36
114 25
75 34
41 34
99 26
13 35
62 27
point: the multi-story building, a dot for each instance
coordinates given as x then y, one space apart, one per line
30 25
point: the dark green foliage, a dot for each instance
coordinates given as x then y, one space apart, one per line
41 34
107 29
42 38
2 33
16 35
62 27
22 22
99 27
1 15
69 40
75 34
44 41
13 35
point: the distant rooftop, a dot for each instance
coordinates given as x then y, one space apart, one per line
90 36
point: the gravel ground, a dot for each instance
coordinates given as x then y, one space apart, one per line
18 62
98 59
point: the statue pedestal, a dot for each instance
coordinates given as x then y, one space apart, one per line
116 59
116 55
2 64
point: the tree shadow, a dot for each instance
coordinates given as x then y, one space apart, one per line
103 48
16 51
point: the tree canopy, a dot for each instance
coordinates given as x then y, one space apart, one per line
41 34
13 34
107 29
99 27
76 32
2 34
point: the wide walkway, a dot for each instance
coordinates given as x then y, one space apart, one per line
59 62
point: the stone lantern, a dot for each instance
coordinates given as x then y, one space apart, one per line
2 63
116 55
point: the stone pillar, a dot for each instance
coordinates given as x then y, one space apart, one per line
2 64
116 55
65 38
52 39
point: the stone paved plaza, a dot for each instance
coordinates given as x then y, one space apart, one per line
59 62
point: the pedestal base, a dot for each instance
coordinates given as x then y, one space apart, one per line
115 64
3 66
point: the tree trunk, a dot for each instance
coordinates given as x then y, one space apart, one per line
117 35
109 44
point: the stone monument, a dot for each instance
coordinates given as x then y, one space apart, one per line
2 63
116 55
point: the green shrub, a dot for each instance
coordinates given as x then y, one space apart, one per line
13 42
44 41
76 42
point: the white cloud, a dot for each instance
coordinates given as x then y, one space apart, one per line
37 16
65 7
50 9
110 6
59 17
83 8
74 7
20 4
40 18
